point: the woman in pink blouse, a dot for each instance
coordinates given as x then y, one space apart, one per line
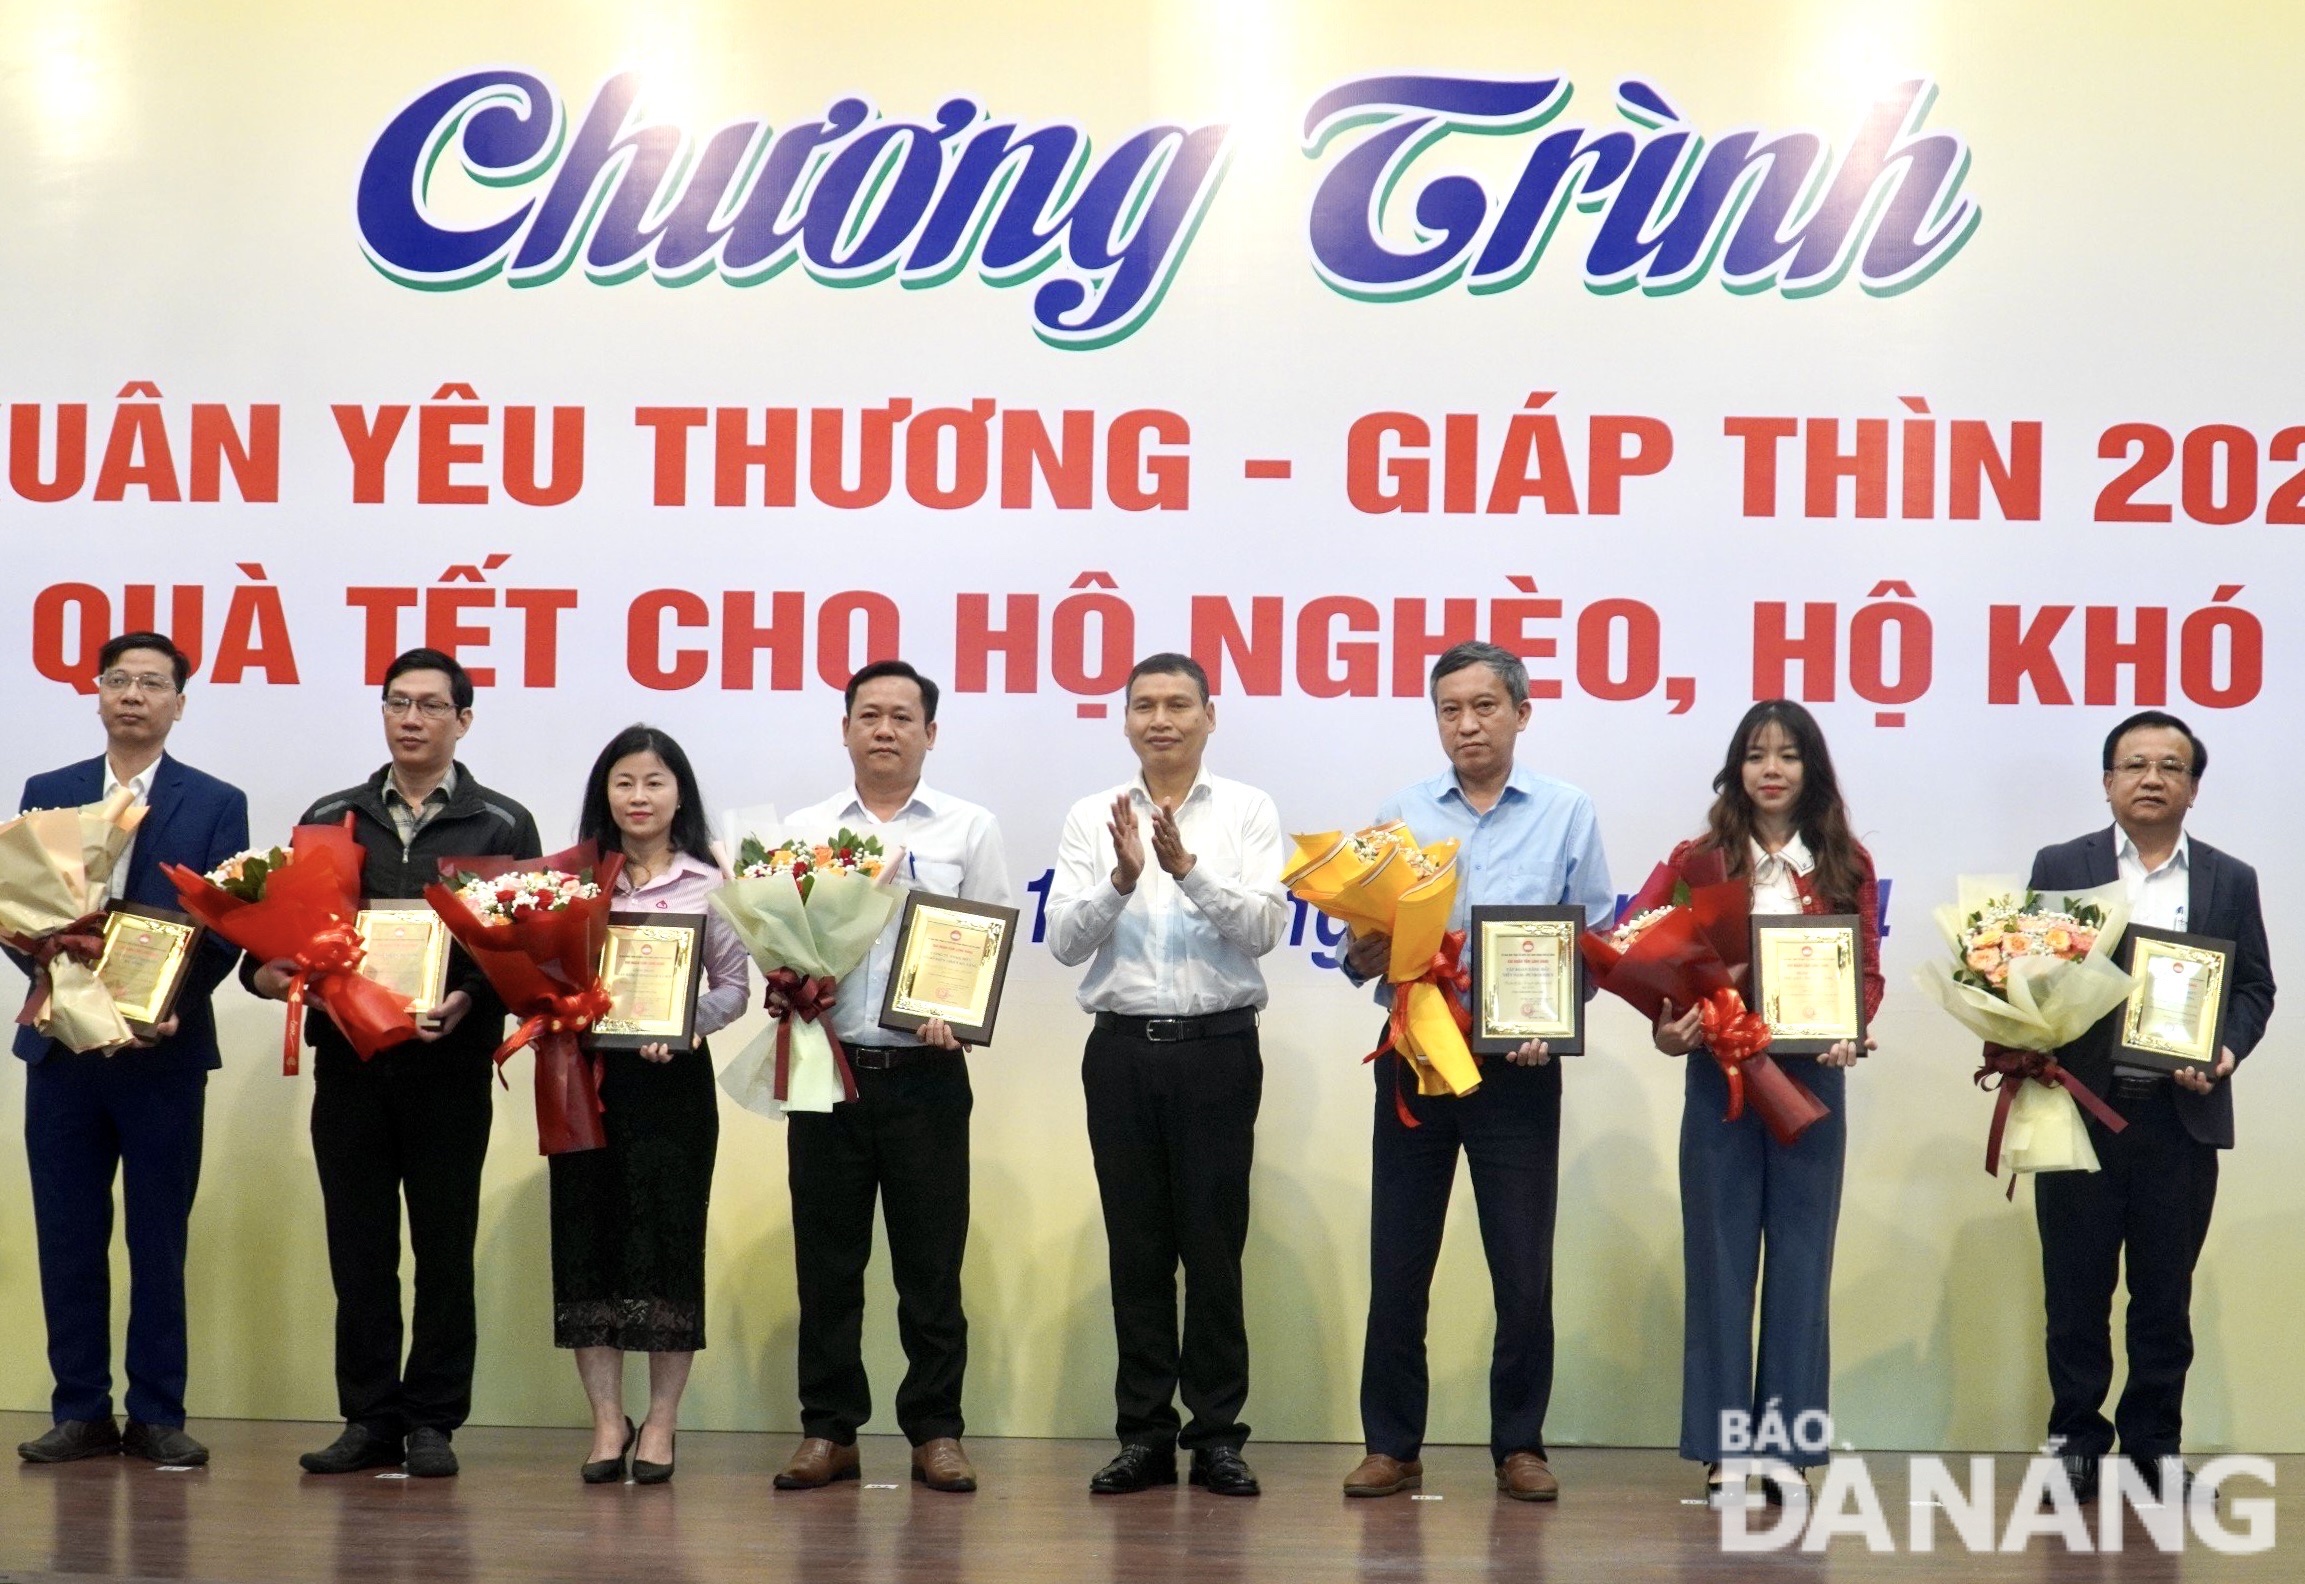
628 1221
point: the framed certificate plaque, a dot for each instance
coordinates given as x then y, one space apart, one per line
147 952
951 961
404 947
1808 981
1528 979
2175 1016
651 965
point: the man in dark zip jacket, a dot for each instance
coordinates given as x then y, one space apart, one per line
414 1119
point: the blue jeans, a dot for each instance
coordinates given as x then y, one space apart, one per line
1754 1213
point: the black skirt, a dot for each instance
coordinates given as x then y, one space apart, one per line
628 1221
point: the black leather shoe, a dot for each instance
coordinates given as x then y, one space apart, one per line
647 1473
69 1440
1136 1468
358 1448
610 1471
1222 1470
2081 1474
429 1454
2176 1490
163 1444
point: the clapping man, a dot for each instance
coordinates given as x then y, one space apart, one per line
1169 887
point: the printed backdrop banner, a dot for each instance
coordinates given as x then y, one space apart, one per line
1933 364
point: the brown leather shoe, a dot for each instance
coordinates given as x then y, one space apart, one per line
942 1466
817 1462
1524 1477
1379 1475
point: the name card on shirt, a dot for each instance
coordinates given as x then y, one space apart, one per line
951 961
2179 985
651 965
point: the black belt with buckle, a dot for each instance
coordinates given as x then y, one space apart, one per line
887 1058
2135 1083
1175 1030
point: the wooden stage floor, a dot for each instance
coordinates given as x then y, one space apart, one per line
518 1512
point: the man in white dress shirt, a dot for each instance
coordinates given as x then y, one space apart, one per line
904 1138
1169 887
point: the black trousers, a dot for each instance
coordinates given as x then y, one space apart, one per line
91 1119
1510 1132
904 1139
2149 1206
1172 1127
411 1123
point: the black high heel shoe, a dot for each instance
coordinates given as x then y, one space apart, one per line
645 1473
610 1471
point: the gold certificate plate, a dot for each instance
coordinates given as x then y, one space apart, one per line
405 949
1808 981
1528 979
650 965
2175 1016
950 963
147 952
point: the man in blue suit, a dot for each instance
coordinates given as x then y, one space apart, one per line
135 1113
2148 1207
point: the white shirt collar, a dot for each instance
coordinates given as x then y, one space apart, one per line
923 798
1793 856
1139 792
2180 857
140 783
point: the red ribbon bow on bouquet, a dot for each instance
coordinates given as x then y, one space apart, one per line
1446 973
335 950
82 940
305 917
546 966
568 1103
793 994
1739 1040
2005 1070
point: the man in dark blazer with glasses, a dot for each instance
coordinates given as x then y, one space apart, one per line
135 1114
2148 1208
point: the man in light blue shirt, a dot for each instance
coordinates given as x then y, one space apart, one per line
1525 839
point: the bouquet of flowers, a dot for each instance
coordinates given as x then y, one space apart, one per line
535 927
1380 881
299 906
2027 975
808 912
1685 938
55 871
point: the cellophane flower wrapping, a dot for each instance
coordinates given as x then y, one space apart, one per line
55 873
302 906
2033 972
820 923
1381 881
1684 945
543 959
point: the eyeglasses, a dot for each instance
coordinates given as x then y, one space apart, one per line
431 709
132 682
2171 769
